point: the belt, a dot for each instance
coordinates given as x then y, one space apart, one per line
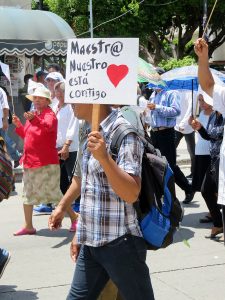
160 128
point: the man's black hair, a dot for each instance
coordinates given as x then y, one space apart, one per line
27 77
55 66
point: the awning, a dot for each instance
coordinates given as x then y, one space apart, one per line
33 32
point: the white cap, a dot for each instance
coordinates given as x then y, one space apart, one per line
55 76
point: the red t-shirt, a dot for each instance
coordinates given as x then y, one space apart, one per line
39 136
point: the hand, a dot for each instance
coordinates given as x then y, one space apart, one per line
29 115
191 118
5 124
16 121
196 125
201 48
55 220
96 145
64 152
74 249
151 106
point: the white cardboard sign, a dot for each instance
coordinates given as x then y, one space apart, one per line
102 71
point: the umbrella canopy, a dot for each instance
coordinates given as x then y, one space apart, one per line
186 78
147 73
32 32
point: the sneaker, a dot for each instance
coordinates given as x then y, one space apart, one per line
4 259
43 208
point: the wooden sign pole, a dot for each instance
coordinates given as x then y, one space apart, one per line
95 117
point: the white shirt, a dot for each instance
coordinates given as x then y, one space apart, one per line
219 105
3 104
68 127
202 146
186 112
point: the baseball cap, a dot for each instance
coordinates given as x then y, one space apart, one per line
55 76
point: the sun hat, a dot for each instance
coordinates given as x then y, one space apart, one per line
55 76
40 91
60 84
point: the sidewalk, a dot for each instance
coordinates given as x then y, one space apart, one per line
40 267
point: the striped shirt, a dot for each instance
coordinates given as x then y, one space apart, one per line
103 215
167 108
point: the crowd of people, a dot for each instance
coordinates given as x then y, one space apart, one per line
61 149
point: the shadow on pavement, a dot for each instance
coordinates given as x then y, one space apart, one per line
57 233
192 220
183 234
8 292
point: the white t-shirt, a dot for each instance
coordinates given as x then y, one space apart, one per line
3 104
202 146
186 111
68 127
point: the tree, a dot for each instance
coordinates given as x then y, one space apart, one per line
165 27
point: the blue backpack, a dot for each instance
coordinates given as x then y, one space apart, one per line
159 211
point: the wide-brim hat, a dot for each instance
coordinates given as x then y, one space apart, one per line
40 92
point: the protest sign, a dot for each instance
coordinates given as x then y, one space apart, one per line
102 71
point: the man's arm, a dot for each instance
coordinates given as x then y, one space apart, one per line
125 185
58 214
204 75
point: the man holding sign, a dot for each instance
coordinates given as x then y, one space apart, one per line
108 242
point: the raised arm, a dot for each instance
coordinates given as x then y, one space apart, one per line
204 75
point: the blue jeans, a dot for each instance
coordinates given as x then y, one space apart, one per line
10 145
122 260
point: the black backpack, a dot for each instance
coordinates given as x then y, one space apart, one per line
159 211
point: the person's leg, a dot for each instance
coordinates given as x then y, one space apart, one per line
164 140
89 277
178 137
209 193
124 261
4 259
28 214
190 141
64 181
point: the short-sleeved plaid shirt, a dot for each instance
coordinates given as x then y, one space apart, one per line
103 215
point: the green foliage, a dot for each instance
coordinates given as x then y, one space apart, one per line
176 63
161 25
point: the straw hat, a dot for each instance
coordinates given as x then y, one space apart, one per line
40 91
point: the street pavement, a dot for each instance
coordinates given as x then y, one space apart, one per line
41 268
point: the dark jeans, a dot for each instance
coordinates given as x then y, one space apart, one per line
122 260
209 192
190 141
66 170
164 140
10 145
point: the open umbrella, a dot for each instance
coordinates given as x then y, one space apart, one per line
147 73
186 78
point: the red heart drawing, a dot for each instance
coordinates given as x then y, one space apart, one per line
117 73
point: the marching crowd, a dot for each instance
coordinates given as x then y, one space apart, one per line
60 148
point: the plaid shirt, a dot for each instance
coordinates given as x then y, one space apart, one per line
103 215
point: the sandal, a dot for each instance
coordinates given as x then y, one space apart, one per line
24 231
73 227
212 235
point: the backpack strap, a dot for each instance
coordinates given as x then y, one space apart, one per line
124 129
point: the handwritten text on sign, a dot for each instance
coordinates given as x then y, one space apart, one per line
102 71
